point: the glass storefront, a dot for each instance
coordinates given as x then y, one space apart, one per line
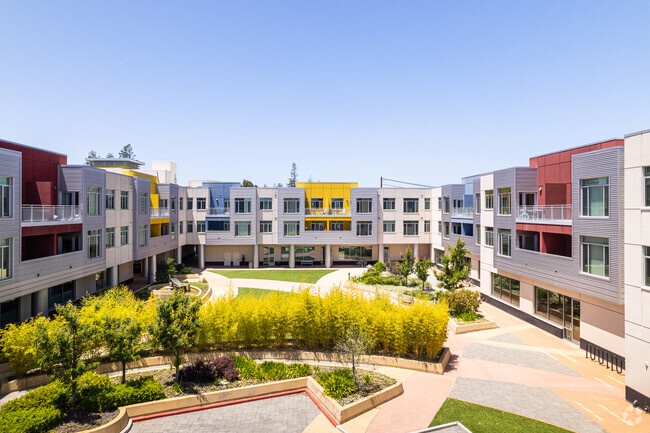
560 309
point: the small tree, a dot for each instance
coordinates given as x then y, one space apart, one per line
247 184
127 152
122 336
92 154
110 155
455 268
62 347
176 325
293 176
354 343
422 270
405 267
165 270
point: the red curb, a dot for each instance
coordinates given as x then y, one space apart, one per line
324 411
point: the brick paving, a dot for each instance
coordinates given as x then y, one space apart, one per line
286 414
508 338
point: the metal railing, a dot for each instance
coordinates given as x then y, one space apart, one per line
560 213
466 212
327 211
39 213
219 211
159 212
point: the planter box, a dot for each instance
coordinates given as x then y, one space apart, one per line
470 327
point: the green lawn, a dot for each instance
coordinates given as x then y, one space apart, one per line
481 419
258 293
308 276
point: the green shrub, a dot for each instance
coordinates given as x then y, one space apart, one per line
298 370
380 267
338 383
462 301
54 394
98 394
18 344
468 316
34 420
95 392
272 370
137 391
247 367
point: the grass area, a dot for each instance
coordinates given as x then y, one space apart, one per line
198 284
258 293
308 276
481 419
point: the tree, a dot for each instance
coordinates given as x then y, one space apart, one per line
422 270
247 184
165 270
127 152
455 268
293 177
122 336
92 154
405 267
63 347
176 324
355 342
110 155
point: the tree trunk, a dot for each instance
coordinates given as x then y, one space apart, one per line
354 374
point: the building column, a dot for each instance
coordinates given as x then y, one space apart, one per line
416 251
256 256
179 255
145 267
152 269
25 305
40 302
201 256
328 256
292 256
112 276
381 253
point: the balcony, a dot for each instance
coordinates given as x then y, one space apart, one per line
327 212
218 211
38 214
553 214
462 212
159 212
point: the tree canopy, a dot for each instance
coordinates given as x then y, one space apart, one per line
455 268
127 152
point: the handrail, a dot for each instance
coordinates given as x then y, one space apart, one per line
39 213
158 212
560 212
462 211
327 211
219 211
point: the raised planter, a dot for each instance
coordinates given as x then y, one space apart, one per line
470 327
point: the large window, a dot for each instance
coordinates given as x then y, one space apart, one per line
316 203
411 228
144 231
456 228
336 203
389 204
124 200
94 204
5 258
110 237
437 256
200 203
242 205
242 228
61 294
489 199
355 253
110 199
292 228
5 197
124 235
317 226
144 203
266 203
364 228
445 233
489 236
504 201
411 205
595 197
200 226
163 203
505 288
291 205
336 226
595 255
364 205
446 205
266 226
505 242
389 226
94 243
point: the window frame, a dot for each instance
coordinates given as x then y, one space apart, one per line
291 210
389 224
361 209
143 229
411 205
585 256
124 200
6 258
246 225
585 197
124 235
201 203
408 228
500 237
96 192
266 226
109 237
266 203
110 199
6 197
360 228
489 236
388 203
287 225
94 237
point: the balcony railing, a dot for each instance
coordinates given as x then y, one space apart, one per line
48 214
221 211
551 214
159 212
462 212
327 211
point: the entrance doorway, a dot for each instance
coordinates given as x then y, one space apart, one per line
571 319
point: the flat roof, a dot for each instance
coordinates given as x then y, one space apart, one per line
32 147
576 147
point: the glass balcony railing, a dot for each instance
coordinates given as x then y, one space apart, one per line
551 214
462 212
47 214
159 212
220 211
327 211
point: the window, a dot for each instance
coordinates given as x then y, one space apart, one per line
427 226
266 203
411 205
595 256
427 204
9 312
173 203
226 205
124 200
389 226
446 232
242 205
190 226
200 203
291 205
489 236
478 234
458 204
646 175
489 199
5 197
180 227
292 228
316 203
364 228
446 201
595 197
646 261
144 230
180 203
318 226
504 201
478 202
94 207
242 228
336 226
337 203
541 302
60 294
190 203
389 204
439 226
144 203
506 288
437 256
110 199
355 253
172 228
94 244
200 226
5 258
505 242
164 229
163 203
266 227
110 237
124 235
364 205
456 228
439 203
411 228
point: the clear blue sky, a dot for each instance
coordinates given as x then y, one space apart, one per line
423 91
